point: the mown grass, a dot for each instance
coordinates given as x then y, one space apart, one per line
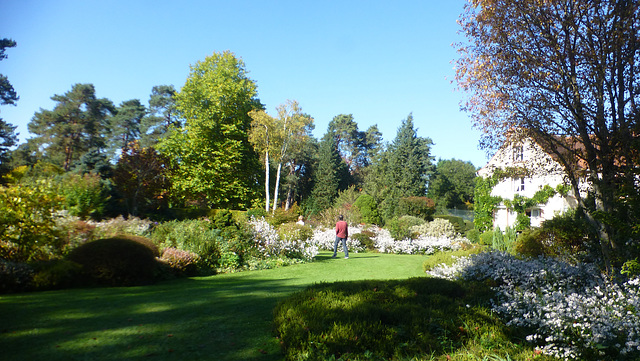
413 319
223 317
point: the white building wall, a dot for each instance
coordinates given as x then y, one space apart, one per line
542 170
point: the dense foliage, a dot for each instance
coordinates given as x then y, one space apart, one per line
27 221
211 154
562 72
452 184
121 261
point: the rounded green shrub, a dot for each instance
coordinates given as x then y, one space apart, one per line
58 274
486 238
531 243
401 228
368 208
281 216
116 262
295 231
473 235
457 222
143 241
366 240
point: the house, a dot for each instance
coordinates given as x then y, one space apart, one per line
531 168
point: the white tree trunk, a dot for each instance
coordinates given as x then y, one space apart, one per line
275 194
266 180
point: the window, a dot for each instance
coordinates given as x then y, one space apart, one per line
518 153
535 213
519 184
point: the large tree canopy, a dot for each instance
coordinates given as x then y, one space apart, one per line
330 175
125 124
410 161
8 137
77 124
356 147
161 117
212 154
8 95
452 185
564 72
402 170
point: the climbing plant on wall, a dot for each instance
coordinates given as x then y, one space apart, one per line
520 204
484 203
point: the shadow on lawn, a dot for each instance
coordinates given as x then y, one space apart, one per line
215 318
225 317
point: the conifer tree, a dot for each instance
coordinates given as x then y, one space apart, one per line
8 95
125 124
329 175
407 169
77 124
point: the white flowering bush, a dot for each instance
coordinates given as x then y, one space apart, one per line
324 239
573 311
424 244
120 225
385 243
437 228
270 244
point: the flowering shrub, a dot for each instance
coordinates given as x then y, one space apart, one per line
74 230
401 228
119 225
196 236
574 312
324 239
421 245
437 228
270 244
385 243
27 222
181 262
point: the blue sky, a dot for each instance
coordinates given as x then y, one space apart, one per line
377 60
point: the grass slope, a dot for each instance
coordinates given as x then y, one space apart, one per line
224 317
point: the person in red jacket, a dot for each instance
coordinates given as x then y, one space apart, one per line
342 233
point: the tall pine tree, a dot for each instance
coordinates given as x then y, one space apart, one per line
8 95
125 125
77 124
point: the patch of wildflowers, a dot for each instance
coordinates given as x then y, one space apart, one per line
270 244
424 244
576 311
384 243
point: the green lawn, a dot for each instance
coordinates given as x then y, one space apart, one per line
224 317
